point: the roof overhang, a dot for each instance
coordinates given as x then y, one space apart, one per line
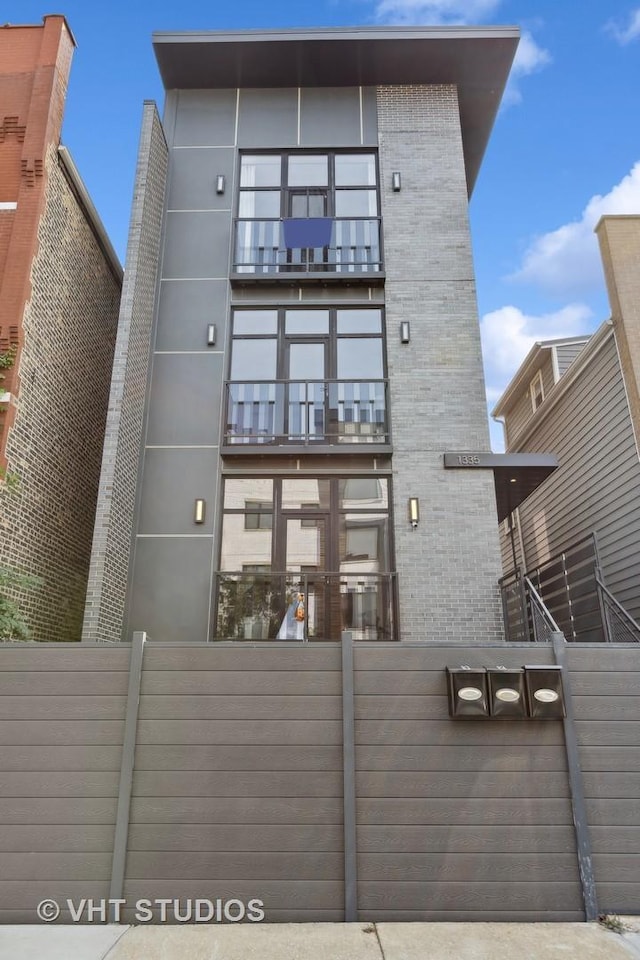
515 475
476 60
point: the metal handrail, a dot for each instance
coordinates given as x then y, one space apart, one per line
541 619
628 622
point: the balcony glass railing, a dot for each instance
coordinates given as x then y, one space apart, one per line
281 412
263 606
261 248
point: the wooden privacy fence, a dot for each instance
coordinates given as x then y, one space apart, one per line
328 781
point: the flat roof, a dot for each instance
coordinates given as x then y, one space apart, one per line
476 59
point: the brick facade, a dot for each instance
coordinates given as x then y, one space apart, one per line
449 567
59 289
114 525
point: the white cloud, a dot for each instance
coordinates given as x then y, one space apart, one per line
566 262
626 34
529 58
508 334
414 12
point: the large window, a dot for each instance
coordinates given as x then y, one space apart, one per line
324 540
302 212
307 376
308 185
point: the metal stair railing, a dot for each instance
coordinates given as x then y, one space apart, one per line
620 627
543 623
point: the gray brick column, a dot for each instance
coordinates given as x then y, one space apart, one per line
448 568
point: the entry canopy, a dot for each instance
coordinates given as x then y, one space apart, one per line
476 60
516 475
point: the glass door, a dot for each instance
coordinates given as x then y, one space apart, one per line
306 371
305 550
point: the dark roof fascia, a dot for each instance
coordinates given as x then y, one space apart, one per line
476 60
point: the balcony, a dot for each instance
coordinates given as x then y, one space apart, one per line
269 249
306 413
263 606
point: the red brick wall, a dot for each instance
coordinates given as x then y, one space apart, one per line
34 70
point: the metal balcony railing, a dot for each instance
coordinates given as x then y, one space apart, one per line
354 247
263 606
280 412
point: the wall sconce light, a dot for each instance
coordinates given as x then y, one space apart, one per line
545 694
506 693
414 511
220 183
396 182
211 335
467 692
405 331
199 511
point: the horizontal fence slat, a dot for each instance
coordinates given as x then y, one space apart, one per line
231 783
238 756
56 866
237 707
468 868
56 838
83 757
427 811
58 810
55 683
230 837
240 682
265 732
53 784
291 810
477 838
453 757
462 785
54 732
483 896
69 707
229 867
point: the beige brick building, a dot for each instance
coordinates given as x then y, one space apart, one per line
60 283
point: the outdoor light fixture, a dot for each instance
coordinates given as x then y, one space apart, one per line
211 335
506 692
518 692
220 183
467 690
545 695
405 331
199 511
414 511
396 182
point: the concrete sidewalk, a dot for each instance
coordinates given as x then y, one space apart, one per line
323 941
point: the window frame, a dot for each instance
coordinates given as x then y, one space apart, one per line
537 381
286 190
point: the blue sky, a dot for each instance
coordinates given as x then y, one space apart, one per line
565 148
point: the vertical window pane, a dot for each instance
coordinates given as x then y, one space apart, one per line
360 359
356 203
242 545
308 171
258 204
238 492
260 171
306 321
363 493
304 493
359 321
355 170
253 360
255 321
